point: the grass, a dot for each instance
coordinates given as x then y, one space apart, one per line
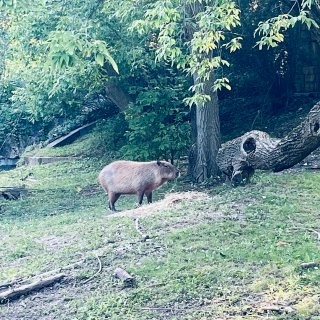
228 256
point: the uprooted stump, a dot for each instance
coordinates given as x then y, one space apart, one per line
239 158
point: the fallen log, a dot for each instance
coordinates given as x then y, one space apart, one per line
307 265
15 293
239 158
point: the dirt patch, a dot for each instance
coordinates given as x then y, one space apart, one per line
53 242
169 201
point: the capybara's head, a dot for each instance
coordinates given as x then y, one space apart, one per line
167 170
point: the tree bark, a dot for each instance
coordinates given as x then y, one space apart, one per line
205 120
207 134
14 293
117 95
123 275
238 158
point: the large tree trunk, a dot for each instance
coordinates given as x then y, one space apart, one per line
115 93
207 143
239 158
204 117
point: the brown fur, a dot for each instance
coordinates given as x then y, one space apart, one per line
131 177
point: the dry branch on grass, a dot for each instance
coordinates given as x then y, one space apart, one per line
144 237
9 284
278 309
22 281
307 229
307 265
15 293
99 270
239 158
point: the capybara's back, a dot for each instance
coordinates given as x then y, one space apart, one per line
131 177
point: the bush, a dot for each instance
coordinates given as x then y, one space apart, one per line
109 136
159 125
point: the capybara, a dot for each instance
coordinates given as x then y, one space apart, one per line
131 177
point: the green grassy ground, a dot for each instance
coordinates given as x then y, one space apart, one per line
229 255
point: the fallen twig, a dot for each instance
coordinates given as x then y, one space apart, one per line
307 265
59 270
144 237
307 229
155 285
272 308
279 309
99 270
28 288
160 309
316 232
174 309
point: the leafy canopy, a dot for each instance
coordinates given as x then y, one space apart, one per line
192 35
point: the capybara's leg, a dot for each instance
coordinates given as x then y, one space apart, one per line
140 197
113 197
149 196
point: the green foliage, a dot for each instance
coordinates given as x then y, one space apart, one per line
59 53
13 122
192 35
55 54
6 3
272 30
66 48
3 43
109 137
158 125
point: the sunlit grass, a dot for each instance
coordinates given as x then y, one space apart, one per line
225 257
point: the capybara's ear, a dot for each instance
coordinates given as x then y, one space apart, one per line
158 162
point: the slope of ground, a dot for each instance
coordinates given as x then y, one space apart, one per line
217 253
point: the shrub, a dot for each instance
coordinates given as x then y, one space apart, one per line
159 125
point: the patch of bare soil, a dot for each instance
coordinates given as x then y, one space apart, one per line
53 242
168 202
53 302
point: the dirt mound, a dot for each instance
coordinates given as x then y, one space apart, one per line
170 200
